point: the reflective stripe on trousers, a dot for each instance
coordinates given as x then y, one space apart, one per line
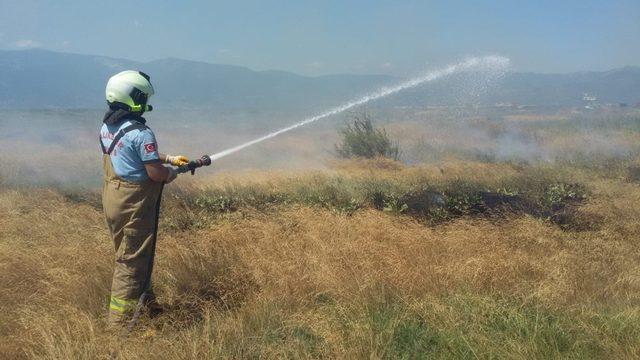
122 305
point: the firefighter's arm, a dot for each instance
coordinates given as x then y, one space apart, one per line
152 159
159 173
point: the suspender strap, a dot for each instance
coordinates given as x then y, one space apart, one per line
104 151
119 135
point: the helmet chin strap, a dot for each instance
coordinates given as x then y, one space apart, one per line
134 109
140 108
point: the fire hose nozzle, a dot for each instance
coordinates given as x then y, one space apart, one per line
205 160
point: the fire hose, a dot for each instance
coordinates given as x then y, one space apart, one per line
205 160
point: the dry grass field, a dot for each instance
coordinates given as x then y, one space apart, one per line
463 254
300 265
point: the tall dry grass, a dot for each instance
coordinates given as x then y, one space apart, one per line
298 278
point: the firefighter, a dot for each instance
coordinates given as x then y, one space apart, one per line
134 176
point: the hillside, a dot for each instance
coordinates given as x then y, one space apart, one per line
77 81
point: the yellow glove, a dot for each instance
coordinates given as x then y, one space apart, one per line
177 160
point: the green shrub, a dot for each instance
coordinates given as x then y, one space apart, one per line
219 203
361 139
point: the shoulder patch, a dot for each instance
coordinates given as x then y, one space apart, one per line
150 147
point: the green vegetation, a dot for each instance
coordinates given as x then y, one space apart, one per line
421 193
361 139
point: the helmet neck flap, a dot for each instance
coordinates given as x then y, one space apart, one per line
115 114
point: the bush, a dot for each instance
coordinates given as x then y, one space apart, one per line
361 139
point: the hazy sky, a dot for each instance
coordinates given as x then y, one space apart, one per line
318 37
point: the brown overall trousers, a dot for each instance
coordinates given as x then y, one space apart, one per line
131 211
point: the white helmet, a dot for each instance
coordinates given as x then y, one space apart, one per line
129 90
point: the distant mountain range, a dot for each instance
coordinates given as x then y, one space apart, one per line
46 79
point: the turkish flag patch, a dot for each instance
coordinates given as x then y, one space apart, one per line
150 147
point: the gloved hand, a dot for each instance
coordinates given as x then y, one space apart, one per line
173 173
176 160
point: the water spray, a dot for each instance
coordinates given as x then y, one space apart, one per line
487 63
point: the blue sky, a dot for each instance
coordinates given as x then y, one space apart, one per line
320 37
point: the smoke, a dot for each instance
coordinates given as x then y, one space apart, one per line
487 64
60 147
499 134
